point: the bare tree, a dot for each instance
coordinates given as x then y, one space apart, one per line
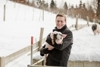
98 9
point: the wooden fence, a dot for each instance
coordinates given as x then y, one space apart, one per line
13 56
76 64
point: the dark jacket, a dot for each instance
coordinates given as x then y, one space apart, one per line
60 54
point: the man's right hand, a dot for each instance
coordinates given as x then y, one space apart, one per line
49 47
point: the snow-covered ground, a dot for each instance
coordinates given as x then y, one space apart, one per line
17 35
86 46
16 31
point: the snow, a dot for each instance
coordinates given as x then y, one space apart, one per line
22 22
86 46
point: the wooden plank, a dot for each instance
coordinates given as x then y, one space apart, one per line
42 66
78 64
41 38
70 64
98 64
2 61
93 64
87 64
19 53
4 13
39 63
76 25
88 21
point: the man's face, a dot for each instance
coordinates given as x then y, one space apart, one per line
60 22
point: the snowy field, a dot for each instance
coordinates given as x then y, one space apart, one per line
16 31
86 46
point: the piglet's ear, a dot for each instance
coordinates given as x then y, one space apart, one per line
64 35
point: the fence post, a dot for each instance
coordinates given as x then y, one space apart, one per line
87 20
32 42
4 13
2 62
33 14
76 25
41 37
43 15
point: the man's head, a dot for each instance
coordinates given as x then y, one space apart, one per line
60 20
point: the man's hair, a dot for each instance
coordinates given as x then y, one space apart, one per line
61 15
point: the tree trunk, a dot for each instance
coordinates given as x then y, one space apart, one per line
98 9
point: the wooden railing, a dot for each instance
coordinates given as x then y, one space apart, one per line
36 46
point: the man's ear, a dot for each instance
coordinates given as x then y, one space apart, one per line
64 35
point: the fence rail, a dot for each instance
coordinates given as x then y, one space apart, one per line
5 60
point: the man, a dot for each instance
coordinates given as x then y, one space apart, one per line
58 53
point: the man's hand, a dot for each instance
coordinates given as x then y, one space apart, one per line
49 47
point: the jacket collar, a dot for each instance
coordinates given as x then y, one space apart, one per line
63 28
